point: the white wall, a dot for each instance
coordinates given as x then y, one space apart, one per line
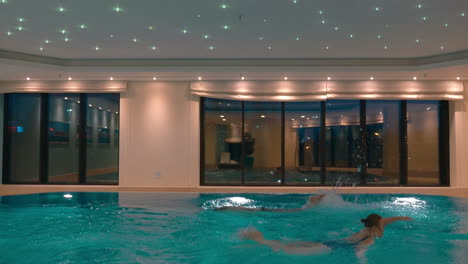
159 134
459 142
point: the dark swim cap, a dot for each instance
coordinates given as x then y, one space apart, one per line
371 220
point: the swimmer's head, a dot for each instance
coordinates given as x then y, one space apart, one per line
375 223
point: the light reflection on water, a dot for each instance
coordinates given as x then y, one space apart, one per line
184 228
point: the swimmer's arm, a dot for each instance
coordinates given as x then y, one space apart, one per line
390 220
357 236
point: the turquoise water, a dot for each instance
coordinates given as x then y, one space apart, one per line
184 228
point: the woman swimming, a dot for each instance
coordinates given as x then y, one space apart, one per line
374 226
311 202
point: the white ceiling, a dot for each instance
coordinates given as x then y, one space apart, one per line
257 28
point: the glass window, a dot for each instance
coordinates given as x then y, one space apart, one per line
343 137
102 132
383 142
302 143
23 146
223 141
63 140
423 142
262 142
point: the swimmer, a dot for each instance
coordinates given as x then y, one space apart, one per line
311 202
374 226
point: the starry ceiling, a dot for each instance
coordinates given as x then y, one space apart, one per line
234 28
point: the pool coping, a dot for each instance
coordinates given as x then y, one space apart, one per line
29 189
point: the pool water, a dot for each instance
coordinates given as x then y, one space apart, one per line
184 228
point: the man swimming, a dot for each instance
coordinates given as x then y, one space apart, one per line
374 226
311 202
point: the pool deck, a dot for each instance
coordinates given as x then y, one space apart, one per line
27 189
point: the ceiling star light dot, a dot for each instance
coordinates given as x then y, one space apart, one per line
41 48
351 35
134 39
458 78
97 48
211 47
206 36
3 1
442 47
424 18
66 39
224 6
420 5
320 12
20 19
9 33
379 36
63 31
226 27
154 48
150 27
185 31
298 38
27 78
377 9
20 28
61 9
445 25
336 28
117 9
415 78
462 14
199 78
154 78
82 26
47 41
323 21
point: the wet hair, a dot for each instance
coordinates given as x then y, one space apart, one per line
371 220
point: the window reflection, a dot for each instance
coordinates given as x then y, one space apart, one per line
262 142
302 142
423 138
223 141
102 137
383 142
343 136
63 138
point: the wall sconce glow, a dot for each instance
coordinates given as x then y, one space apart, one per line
69 78
27 78
372 78
285 78
68 196
199 78
351 36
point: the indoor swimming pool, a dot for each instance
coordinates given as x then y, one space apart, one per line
186 228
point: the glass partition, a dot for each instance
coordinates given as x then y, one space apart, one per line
343 140
63 138
423 142
22 137
383 142
222 141
262 142
302 143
